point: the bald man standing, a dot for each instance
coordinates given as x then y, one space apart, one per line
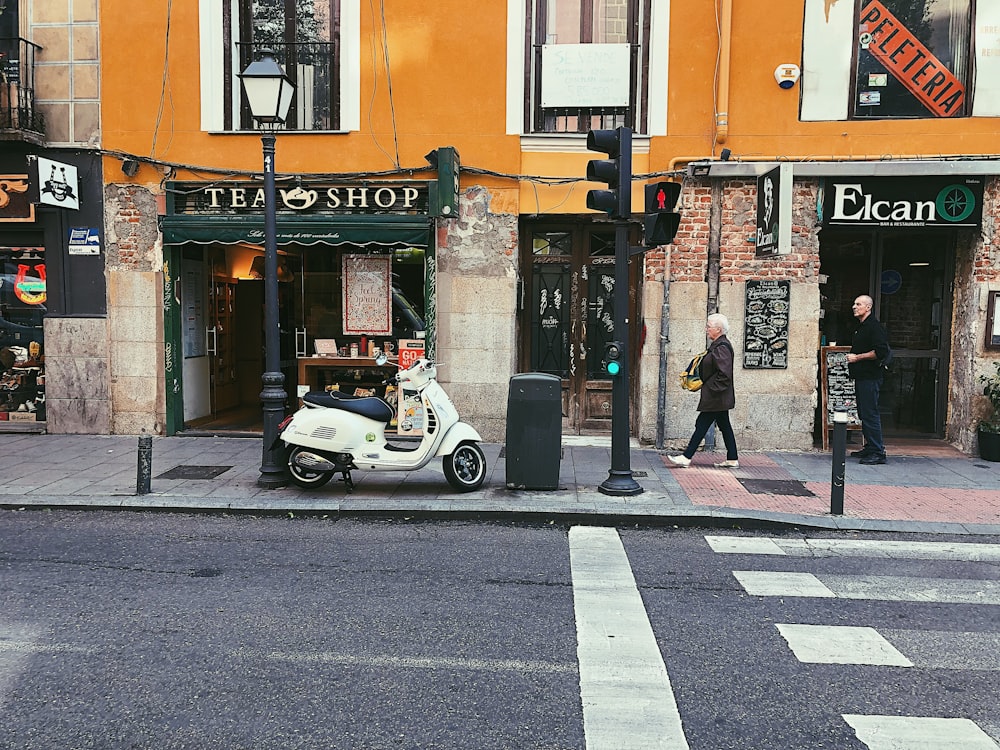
869 348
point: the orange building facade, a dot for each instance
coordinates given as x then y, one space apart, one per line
868 132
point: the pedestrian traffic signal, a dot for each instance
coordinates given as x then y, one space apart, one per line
661 221
616 172
613 357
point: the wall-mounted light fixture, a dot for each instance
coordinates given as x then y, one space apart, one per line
130 167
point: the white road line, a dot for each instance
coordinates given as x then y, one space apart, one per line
768 583
919 733
31 647
745 545
878 588
416 662
896 550
837 644
626 693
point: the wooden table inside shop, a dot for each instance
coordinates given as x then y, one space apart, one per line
308 364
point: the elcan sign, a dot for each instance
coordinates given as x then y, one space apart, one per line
896 202
774 212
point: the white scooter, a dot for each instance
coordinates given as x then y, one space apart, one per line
334 432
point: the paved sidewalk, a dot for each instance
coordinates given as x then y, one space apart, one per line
919 494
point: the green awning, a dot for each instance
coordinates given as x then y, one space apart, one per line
347 229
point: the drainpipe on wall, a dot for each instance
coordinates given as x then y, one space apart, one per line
661 395
722 82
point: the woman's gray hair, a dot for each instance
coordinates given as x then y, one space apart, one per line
718 320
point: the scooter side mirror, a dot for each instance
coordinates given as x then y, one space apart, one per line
381 359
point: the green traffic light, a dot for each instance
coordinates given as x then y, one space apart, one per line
614 368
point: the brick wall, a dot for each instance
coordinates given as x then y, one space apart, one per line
689 252
986 260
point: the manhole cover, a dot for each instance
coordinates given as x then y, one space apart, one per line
776 487
194 472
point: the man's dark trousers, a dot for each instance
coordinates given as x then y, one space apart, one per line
866 391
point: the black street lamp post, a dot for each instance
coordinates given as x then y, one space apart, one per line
269 92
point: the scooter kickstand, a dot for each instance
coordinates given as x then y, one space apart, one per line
348 482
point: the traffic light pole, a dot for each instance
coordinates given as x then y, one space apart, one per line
620 481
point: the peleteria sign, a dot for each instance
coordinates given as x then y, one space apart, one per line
893 202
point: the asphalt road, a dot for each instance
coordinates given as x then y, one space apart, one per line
121 630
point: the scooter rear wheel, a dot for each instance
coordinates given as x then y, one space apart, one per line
308 480
465 468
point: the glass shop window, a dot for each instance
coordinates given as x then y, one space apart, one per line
22 357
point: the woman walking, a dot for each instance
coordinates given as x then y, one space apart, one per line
717 395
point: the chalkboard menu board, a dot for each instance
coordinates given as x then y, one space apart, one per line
765 334
838 389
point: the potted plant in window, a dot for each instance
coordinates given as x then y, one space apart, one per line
989 429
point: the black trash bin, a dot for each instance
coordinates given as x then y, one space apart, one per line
534 431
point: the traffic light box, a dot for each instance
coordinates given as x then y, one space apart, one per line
613 357
616 171
443 193
661 221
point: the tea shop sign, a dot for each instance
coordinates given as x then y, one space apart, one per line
306 198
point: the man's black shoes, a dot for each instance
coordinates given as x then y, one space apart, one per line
866 451
873 459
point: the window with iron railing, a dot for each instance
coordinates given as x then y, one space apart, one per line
17 85
312 67
305 38
588 63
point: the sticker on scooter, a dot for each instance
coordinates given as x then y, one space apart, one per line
370 437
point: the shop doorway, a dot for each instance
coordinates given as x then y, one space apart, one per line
221 302
909 276
567 316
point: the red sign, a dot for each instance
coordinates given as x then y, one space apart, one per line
909 61
30 289
410 350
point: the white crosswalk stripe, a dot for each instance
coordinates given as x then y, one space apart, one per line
894 550
837 644
919 733
840 644
878 588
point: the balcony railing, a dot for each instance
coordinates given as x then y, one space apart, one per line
314 67
17 86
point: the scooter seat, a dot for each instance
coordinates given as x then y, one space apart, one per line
372 407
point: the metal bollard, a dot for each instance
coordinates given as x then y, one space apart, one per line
839 460
145 465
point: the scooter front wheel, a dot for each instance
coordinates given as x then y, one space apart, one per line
465 468
304 478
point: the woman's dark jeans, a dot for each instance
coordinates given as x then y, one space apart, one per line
701 425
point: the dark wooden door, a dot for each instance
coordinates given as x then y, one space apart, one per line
567 315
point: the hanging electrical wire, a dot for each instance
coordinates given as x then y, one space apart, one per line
165 88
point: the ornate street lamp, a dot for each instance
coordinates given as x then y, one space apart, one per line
269 92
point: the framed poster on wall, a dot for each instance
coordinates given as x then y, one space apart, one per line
367 295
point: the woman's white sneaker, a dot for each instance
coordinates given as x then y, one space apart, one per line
727 464
680 461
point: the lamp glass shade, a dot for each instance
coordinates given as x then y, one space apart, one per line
269 91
